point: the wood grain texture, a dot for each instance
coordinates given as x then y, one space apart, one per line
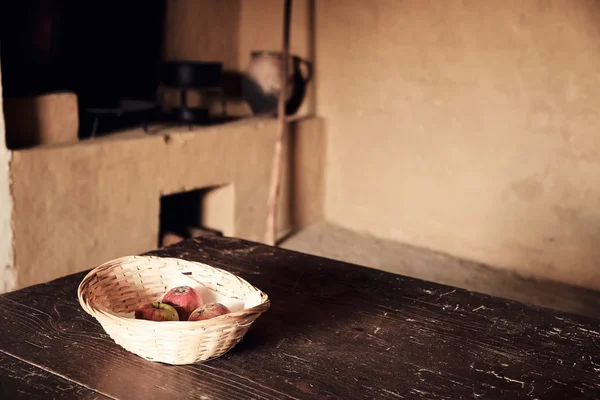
21 380
334 331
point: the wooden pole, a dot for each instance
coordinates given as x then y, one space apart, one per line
270 236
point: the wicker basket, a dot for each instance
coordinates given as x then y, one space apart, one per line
111 292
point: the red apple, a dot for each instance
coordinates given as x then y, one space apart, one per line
184 299
156 311
208 311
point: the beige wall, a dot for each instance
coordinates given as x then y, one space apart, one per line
78 205
203 30
469 127
8 274
229 30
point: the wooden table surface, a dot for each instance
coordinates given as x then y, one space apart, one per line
334 331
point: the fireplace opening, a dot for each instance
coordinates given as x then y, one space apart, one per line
194 213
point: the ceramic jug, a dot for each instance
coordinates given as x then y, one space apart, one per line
262 82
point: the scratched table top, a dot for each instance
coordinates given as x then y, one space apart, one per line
334 331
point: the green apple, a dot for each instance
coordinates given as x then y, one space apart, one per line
156 311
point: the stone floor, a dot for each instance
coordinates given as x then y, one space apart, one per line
331 241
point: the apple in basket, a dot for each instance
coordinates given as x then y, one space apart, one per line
184 299
208 311
156 311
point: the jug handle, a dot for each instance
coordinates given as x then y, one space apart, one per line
309 69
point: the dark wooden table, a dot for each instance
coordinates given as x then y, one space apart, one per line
334 331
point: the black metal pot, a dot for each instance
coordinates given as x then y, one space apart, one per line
190 74
187 76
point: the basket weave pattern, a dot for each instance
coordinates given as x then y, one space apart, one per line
112 291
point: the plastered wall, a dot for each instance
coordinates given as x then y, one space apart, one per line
468 127
229 30
99 199
8 275
79 204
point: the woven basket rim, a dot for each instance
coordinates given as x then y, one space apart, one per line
107 315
